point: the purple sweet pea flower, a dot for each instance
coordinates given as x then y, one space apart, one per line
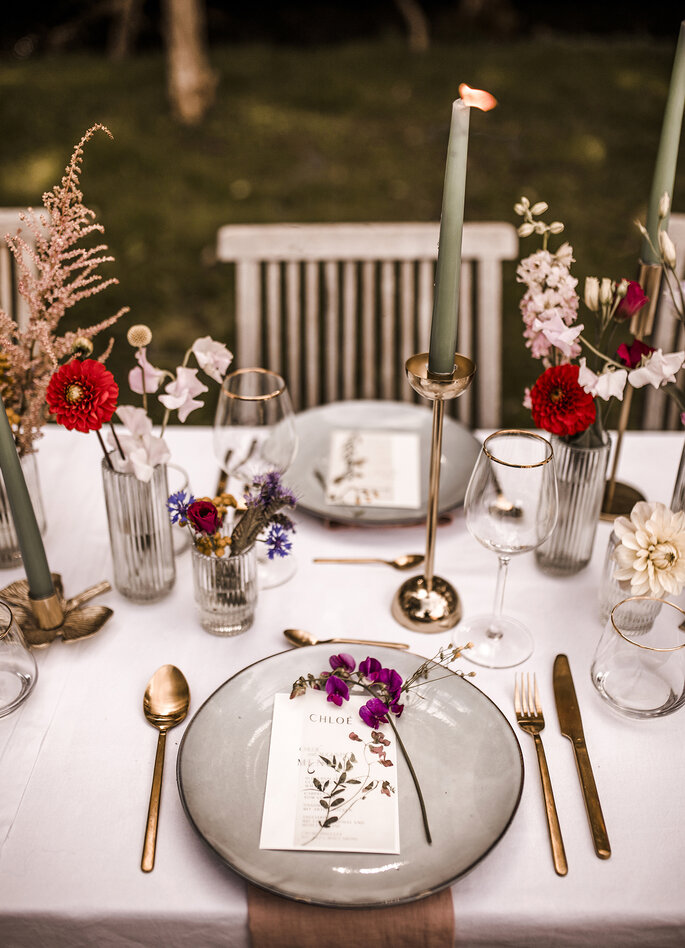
343 660
392 681
337 690
370 669
373 713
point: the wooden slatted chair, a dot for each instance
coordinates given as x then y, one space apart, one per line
660 411
10 300
338 308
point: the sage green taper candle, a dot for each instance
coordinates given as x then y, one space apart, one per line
443 341
25 524
667 154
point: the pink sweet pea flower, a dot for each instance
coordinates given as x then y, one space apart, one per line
212 357
561 336
146 378
657 369
608 384
182 391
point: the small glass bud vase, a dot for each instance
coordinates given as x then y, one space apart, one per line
10 554
139 533
638 615
225 590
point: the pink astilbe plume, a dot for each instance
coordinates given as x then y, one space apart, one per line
53 277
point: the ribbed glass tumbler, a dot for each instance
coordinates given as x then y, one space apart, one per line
225 591
139 533
581 471
10 554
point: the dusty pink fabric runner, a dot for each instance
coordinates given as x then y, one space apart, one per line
281 922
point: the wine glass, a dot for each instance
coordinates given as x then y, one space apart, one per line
254 433
511 508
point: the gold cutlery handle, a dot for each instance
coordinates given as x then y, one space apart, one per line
369 642
558 851
600 837
150 844
347 559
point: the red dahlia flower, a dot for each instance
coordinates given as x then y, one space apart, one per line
82 394
559 404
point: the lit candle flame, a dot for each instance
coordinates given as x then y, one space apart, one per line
477 98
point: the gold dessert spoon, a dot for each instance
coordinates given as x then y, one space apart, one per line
408 561
165 705
299 637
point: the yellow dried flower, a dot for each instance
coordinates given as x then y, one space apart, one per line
81 347
139 336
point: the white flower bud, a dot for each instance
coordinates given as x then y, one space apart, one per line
664 205
525 230
606 291
519 209
667 249
539 208
556 227
622 289
525 203
592 294
540 227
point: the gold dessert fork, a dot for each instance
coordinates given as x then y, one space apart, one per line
530 719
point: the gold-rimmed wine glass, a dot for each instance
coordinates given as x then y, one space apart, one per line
254 433
511 508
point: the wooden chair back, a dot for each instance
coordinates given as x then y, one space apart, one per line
338 308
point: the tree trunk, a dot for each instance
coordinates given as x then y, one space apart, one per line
124 29
191 82
416 22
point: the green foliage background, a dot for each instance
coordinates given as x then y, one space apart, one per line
344 133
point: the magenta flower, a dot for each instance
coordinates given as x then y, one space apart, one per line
343 660
337 690
631 303
392 681
632 355
370 669
373 713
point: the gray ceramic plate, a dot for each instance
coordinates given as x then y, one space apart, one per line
308 472
464 751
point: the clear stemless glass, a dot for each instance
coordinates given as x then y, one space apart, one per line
511 508
254 433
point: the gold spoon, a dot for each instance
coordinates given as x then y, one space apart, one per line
165 705
408 561
300 637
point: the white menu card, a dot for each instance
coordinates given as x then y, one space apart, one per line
332 782
374 468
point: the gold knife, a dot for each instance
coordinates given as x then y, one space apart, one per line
572 728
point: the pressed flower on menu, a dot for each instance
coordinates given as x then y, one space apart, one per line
385 687
651 550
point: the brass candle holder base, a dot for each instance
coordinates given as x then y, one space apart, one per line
618 500
429 603
44 620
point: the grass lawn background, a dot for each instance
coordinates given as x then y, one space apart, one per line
354 132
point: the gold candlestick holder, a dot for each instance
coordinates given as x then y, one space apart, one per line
44 620
620 498
428 603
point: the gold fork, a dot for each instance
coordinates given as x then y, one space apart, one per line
530 719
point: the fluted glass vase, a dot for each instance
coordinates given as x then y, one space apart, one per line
10 554
225 590
580 463
139 533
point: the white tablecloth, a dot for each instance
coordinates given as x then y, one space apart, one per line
76 760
